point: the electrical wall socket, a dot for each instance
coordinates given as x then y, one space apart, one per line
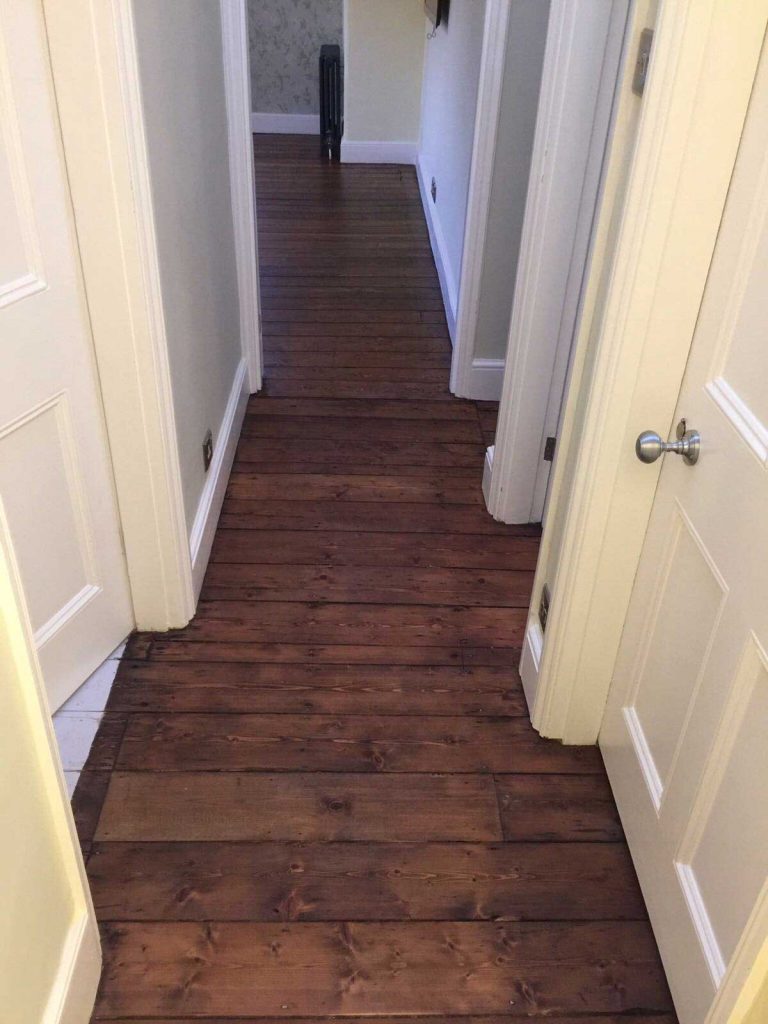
207 450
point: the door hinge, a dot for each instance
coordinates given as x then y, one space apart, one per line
643 61
549 449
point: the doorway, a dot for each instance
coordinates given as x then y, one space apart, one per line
590 49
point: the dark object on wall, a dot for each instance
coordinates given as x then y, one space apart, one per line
331 102
437 11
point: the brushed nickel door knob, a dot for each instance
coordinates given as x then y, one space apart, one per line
650 446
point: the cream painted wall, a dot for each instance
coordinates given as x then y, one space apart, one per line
182 82
383 60
449 99
526 40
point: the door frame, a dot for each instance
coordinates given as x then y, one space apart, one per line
569 52
237 84
96 76
470 377
563 193
629 362
74 988
631 353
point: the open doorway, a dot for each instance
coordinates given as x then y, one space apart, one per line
534 195
284 41
508 143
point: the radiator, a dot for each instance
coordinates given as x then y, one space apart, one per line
331 102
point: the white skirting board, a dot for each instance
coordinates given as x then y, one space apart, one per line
486 379
533 645
73 991
285 124
212 498
378 152
437 241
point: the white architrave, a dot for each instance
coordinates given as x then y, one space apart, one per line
581 60
489 91
94 61
234 35
696 97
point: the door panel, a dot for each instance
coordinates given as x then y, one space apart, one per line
657 713
724 817
55 473
47 504
684 737
49 945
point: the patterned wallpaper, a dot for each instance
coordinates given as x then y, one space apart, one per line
285 38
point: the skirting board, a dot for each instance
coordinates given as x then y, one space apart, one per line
530 660
212 498
486 379
378 152
285 124
73 992
437 241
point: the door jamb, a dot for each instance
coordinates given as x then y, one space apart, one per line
96 78
95 69
491 79
563 192
234 35
696 98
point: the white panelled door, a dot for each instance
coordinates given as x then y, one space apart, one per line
55 472
685 737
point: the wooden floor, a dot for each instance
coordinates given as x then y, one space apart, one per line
323 797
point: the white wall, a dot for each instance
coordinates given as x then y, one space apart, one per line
182 83
449 98
383 60
526 41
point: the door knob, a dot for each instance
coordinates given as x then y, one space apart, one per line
650 446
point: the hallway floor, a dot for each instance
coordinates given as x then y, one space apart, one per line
324 797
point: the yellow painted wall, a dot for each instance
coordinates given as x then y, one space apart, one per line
383 66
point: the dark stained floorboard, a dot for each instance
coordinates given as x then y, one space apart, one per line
229 687
410 968
323 798
363 881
